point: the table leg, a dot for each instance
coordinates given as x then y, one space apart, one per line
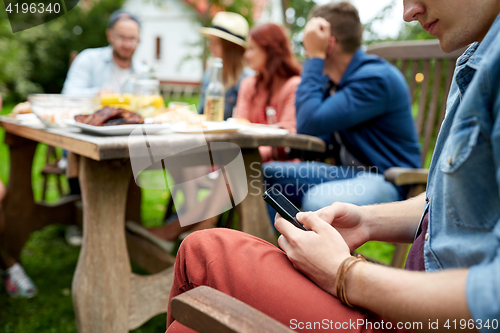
252 210
101 284
22 215
134 196
134 199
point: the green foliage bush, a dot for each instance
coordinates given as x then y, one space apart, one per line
37 59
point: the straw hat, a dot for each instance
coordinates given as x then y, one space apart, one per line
229 26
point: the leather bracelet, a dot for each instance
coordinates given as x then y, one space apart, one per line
340 280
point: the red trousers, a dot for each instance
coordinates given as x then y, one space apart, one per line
260 275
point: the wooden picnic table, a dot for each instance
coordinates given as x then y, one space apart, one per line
107 296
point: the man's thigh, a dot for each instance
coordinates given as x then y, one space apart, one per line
364 189
259 274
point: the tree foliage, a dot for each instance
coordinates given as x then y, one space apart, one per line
296 14
37 59
407 31
413 31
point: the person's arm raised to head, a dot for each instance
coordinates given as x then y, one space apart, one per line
358 101
355 104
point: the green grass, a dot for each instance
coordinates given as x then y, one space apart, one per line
190 100
50 262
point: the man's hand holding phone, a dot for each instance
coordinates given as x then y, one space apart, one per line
317 242
348 220
316 253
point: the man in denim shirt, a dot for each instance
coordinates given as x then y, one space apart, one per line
461 237
457 244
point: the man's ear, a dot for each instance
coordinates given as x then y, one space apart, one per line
332 45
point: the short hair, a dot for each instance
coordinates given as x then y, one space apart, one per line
344 22
121 15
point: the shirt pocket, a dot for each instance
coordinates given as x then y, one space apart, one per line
470 190
459 145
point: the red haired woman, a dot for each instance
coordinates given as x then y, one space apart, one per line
270 55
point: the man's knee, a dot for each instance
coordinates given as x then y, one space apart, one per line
208 239
206 235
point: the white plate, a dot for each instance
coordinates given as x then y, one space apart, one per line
118 129
209 127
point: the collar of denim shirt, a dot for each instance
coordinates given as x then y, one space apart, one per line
470 61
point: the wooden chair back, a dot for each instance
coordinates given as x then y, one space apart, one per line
429 73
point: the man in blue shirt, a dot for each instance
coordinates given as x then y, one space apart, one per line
363 102
102 71
105 70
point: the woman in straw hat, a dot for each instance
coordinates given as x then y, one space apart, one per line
270 55
227 40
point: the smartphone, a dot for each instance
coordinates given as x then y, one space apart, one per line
283 206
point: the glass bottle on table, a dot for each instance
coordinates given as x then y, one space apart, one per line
215 94
272 119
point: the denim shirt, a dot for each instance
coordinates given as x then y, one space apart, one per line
464 180
231 92
91 71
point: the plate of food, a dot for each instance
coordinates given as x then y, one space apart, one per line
253 128
111 121
205 127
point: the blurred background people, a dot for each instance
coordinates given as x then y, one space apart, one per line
273 87
105 70
360 101
227 39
